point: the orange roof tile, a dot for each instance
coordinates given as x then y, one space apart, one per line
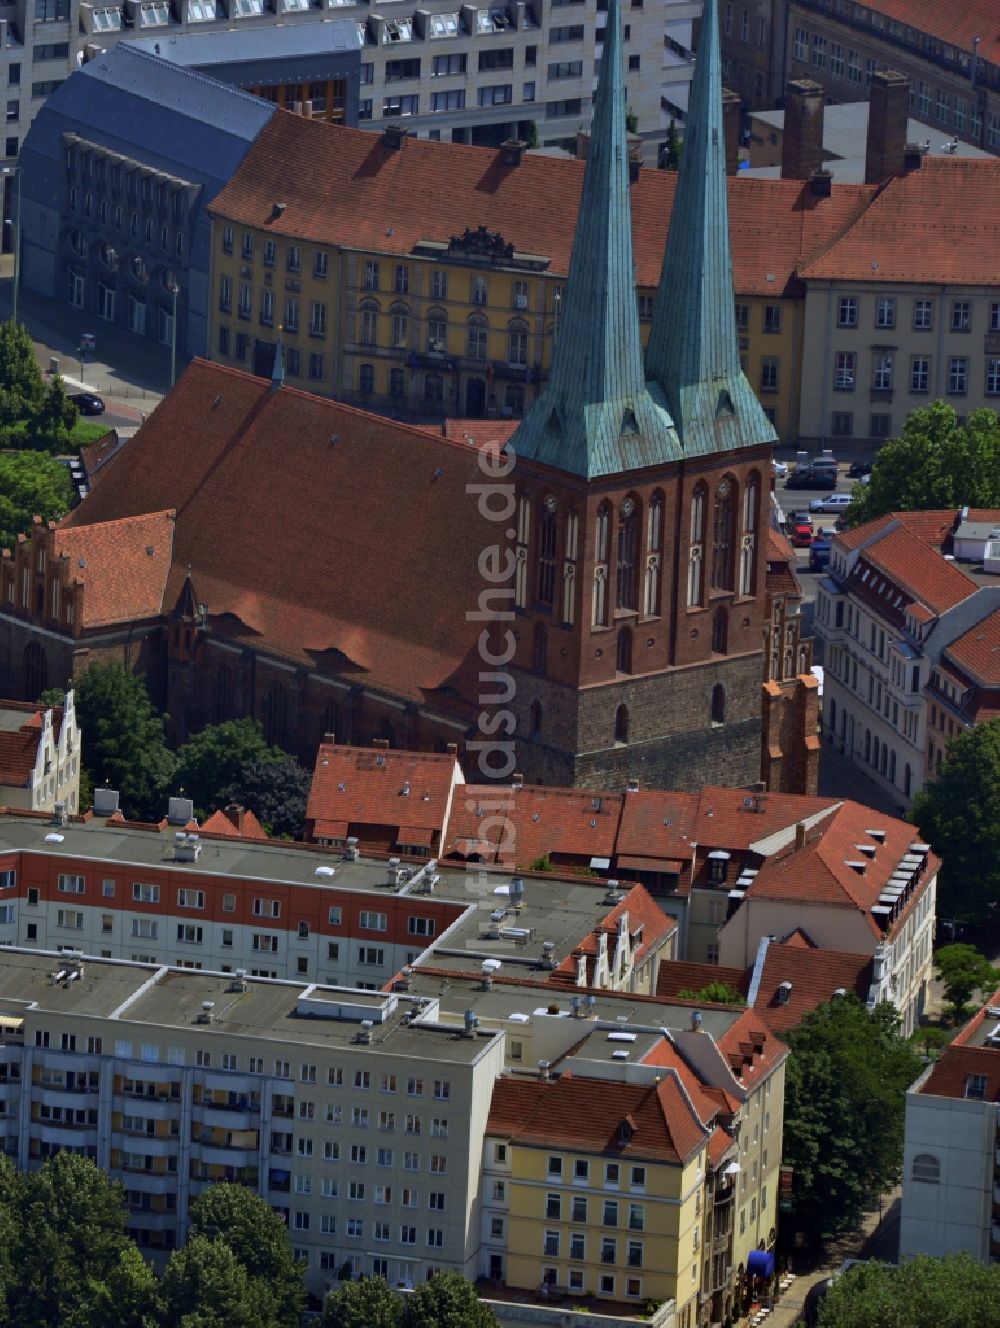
759 1050
122 566
235 823
247 527
519 825
96 457
953 1067
585 1115
815 976
956 25
345 187
677 975
937 225
977 651
357 787
915 568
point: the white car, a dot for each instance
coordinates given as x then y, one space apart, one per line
833 502
780 469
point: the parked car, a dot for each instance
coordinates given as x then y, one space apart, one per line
811 477
859 468
833 502
800 530
88 403
780 469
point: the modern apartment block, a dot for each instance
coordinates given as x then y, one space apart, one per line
951 1158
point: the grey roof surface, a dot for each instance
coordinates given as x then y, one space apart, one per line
201 50
25 980
977 529
176 120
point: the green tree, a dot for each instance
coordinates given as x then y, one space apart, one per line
51 426
259 1241
127 1297
954 1292
963 970
276 792
845 1088
22 388
715 993
447 1300
959 815
52 696
206 1286
215 759
30 486
670 152
71 1247
123 738
934 463
368 1303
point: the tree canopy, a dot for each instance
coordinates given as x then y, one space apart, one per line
446 1300
50 427
714 993
276 792
123 738
964 970
30 485
954 1292
934 463
845 1088
215 759
22 388
958 813
367 1303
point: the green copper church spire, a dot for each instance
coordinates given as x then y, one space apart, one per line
596 415
693 352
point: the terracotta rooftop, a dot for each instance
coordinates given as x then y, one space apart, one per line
972 1053
977 651
354 788
679 975
752 1051
517 826
914 568
247 527
345 187
815 975
935 225
572 1112
955 25
235 823
122 565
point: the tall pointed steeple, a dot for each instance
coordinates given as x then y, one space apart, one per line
596 415
693 352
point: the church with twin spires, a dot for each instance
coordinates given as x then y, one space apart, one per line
256 550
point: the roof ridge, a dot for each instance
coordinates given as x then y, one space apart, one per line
135 53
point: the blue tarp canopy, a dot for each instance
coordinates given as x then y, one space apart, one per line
760 1263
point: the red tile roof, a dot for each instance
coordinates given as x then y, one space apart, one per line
752 1051
18 753
816 975
935 225
920 569
818 872
96 457
955 25
519 825
572 1112
367 787
247 526
235 823
122 565
677 975
977 651
345 187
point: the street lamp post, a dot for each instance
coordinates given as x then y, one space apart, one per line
173 288
15 171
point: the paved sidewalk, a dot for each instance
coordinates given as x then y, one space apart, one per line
131 374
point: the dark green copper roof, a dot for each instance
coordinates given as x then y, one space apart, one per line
693 351
596 415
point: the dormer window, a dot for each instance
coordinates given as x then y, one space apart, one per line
626 1132
975 1087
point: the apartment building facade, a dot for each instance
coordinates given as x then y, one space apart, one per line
951 1148
40 756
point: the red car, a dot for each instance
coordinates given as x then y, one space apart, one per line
800 532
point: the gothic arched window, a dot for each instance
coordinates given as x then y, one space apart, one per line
723 515
627 566
547 535
624 651
275 716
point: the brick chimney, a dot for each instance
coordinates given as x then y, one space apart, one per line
802 143
732 105
888 110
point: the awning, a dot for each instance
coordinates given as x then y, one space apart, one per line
672 866
760 1263
415 834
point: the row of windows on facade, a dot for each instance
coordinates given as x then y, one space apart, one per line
136 307
110 260
921 378
125 183
444 66
330 95
964 116
148 226
729 26
394 107
960 313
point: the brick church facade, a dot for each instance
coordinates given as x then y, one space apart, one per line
259 551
